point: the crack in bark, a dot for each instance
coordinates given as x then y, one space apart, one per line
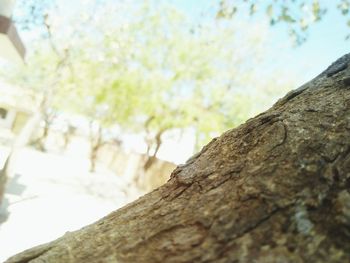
255 226
197 227
263 220
268 118
185 187
30 255
330 160
291 95
228 178
285 135
339 154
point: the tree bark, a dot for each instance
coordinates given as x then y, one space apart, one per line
275 189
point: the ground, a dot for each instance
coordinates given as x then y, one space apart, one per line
50 194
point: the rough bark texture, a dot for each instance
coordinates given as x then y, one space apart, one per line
275 189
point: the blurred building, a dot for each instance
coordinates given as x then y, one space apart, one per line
16 108
17 120
11 46
13 50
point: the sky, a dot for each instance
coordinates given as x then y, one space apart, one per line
326 41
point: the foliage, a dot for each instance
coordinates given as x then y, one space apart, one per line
298 15
144 67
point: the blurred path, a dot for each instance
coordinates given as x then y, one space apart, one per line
52 194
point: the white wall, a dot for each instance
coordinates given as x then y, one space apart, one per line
9 119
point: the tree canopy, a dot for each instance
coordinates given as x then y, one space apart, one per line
144 67
298 15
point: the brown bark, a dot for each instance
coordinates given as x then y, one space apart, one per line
275 189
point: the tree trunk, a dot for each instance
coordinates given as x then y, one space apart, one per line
151 159
67 136
275 189
95 145
48 118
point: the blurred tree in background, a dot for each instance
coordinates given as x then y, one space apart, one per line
144 67
298 15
